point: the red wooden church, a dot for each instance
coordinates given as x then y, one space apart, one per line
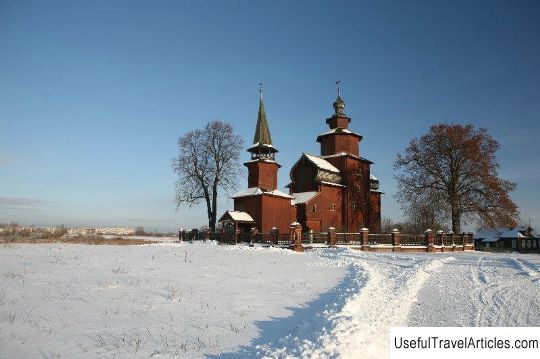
335 189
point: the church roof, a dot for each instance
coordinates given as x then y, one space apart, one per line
321 164
267 160
342 153
304 197
262 131
338 130
256 191
328 183
262 138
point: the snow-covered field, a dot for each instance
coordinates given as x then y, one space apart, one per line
169 300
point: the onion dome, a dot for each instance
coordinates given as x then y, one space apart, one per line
373 183
339 104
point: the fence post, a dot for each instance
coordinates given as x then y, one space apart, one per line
396 243
365 239
463 242
311 236
274 235
331 240
181 234
236 234
428 235
296 237
252 233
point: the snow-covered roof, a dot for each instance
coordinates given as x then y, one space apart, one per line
257 144
336 130
493 235
256 191
262 160
339 130
322 164
303 197
490 239
343 153
239 216
331 183
373 178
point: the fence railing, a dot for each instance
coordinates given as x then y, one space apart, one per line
375 239
447 240
283 239
349 238
314 238
412 240
364 239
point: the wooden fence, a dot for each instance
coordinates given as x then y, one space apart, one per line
394 241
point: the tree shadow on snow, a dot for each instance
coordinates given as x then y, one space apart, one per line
307 323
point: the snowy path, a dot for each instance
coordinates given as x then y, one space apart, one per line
362 326
380 293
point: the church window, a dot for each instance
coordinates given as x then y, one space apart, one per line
332 207
314 208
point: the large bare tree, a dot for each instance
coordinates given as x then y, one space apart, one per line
453 169
208 161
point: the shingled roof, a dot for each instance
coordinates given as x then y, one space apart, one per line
262 131
262 138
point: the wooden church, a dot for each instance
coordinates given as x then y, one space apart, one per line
335 189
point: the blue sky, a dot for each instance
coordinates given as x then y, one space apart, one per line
93 95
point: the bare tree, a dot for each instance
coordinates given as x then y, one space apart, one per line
208 161
417 218
388 224
453 168
421 215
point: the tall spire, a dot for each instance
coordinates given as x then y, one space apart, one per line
262 141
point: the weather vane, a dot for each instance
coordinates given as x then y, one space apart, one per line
260 89
338 84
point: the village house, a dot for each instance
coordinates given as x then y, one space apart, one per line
520 239
335 189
